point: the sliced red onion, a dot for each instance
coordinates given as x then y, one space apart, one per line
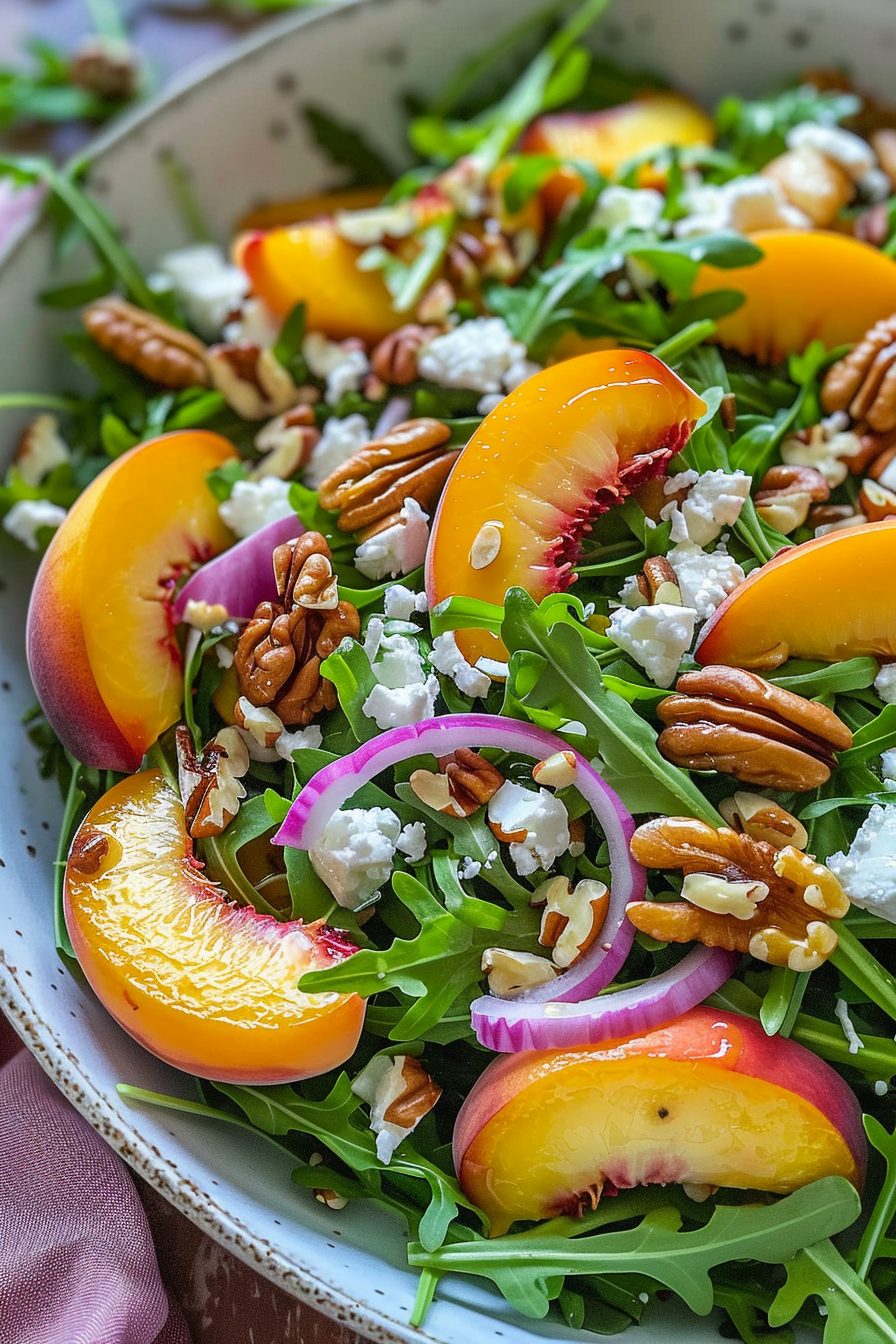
334 785
509 1025
394 411
243 576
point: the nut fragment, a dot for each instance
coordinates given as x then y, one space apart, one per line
573 916
883 142
262 724
88 850
40 449
658 582
161 352
812 182
720 896
472 780
864 381
731 720
557 772
394 359
762 819
512 973
877 501
410 462
251 380
205 616
210 782
786 494
783 927
486 545
400 1093
417 1097
287 442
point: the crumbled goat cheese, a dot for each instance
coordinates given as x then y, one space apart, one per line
867 871
881 1087
476 354
412 841
255 324
339 440
885 683
630 594
744 205
254 504
380 1083
682 481
207 285
28 516
469 869
397 549
888 769
714 501
400 603
404 692
343 369
354 855
541 815
657 637
841 1012
853 154
303 739
41 448
446 657
621 210
704 578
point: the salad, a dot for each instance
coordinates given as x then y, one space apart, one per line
463 638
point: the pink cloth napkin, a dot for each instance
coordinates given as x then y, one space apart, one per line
77 1263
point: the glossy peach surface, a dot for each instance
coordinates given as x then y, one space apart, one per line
708 1099
568 444
809 286
101 646
829 599
207 985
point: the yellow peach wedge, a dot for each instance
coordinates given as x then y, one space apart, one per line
206 985
828 599
560 450
808 286
101 646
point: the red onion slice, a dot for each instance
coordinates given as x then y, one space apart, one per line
243 576
394 412
334 785
509 1025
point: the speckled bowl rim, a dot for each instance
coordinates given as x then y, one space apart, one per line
59 1062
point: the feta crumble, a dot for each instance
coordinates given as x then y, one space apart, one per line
714 501
446 657
853 154
475 355
541 815
405 693
397 549
704 578
743 205
254 504
343 370
338 441
400 603
27 516
207 285
657 637
354 855
885 683
412 841
303 739
469 869
867 871
622 210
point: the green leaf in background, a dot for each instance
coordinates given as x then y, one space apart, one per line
756 132
678 260
854 1315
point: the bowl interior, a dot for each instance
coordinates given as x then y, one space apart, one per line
238 128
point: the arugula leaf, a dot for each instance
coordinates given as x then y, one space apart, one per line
756 132
348 667
812 680
877 736
677 261
854 1312
525 1266
287 349
348 147
884 1209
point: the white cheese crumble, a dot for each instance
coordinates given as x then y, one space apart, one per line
343 370
853 154
207 285
622 210
339 440
303 739
412 841
885 683
867 871
397 549
541 815
469 869
744 205
254 504
41 448
841 1012
446 657
476 355
705 578
630 594
405 693
881 1087
27 516
354 855
657 637
713 501
255 324
888 769
400 602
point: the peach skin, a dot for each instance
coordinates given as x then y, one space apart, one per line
708 1099
101 646
559 451
828 599
809 285
610 138
204 984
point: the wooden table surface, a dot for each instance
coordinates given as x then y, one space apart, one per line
223 1300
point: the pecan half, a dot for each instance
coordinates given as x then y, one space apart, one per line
465 782
252 380
280 651
775 904
864 381
410 462
786 494
394 359
161 352
733 721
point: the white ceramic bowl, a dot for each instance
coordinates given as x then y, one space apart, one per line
237 125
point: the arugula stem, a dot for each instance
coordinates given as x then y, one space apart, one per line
871 1245
41 401
683 341
782 1000
863 969
426 1291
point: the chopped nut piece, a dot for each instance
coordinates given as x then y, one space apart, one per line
762 819
472 780
721 897
395 358
437 304
877 501
486 545
263 725
371 487
210 783
435 791
786 495
251 380
864 381
728 412
161 352
658 582
511 973
734 721
331 1199
557 772
573 917
40 449
108 67
399 1093
813 182
784 928
287 443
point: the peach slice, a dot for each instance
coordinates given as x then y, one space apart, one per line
555 454
708 1099
610 138
808 286
204 984
828 599
101 646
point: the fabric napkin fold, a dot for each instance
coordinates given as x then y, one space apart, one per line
77 1262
